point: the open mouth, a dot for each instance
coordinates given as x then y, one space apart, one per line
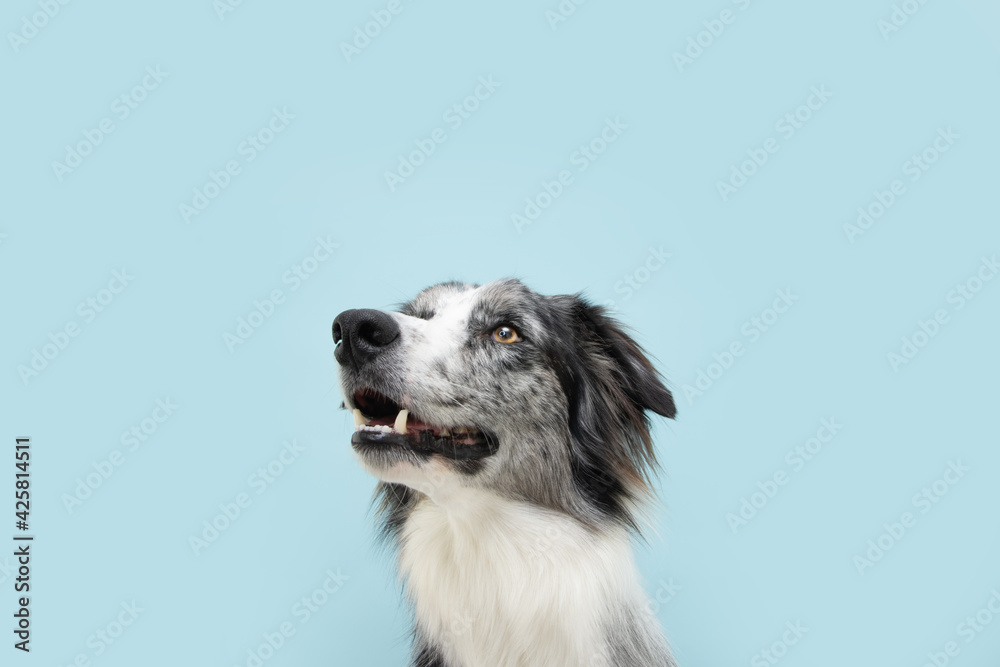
381 422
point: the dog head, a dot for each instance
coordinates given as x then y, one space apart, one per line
537 398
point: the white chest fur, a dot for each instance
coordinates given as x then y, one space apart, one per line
498 583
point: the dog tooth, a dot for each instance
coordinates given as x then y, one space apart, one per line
400 425
359 419
445 431
461 430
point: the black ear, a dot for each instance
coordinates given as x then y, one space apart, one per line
635 374
609 385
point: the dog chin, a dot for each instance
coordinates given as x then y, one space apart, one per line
388 465
433 477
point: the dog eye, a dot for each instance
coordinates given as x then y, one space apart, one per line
505 334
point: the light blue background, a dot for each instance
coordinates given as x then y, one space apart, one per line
826 357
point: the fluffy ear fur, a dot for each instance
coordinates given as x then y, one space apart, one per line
639 379
610 384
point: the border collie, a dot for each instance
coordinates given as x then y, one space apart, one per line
510 435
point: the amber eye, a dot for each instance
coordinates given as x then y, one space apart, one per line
505 334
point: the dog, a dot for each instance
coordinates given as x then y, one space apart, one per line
510 435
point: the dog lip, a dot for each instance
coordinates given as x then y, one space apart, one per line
424 443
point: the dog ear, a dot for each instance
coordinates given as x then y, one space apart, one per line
633 371
610 385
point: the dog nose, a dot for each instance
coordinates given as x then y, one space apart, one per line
362 335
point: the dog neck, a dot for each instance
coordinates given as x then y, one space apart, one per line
497 582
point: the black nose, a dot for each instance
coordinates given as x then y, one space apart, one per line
362 335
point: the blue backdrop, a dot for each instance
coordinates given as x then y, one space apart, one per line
793 204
